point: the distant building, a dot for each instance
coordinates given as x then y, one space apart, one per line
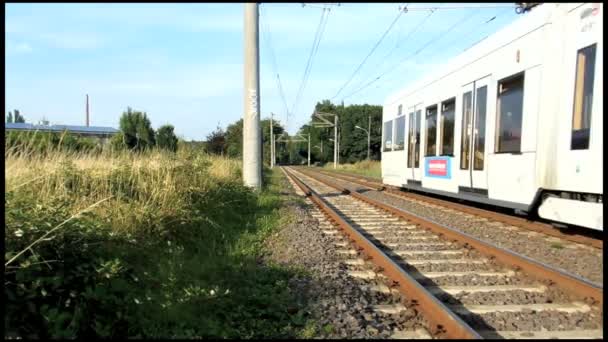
101 133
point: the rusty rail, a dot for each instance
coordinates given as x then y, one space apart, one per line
539 227
569 283
442 321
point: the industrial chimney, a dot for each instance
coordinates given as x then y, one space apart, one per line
87 110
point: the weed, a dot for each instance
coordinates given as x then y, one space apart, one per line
173 251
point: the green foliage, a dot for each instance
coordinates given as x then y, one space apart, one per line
353 142
137 130
166 139
15 118
44 142
216 141
138 266
234 140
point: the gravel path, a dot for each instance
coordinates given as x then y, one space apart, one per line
575 258
339 303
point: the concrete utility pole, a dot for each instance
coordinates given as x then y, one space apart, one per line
252 134
87 110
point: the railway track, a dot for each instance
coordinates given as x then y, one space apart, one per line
464 288
509 220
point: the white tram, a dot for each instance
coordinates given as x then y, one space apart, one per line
515 121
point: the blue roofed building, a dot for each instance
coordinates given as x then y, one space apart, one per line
101 133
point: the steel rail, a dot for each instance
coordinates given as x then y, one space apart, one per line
539 227
568 282
443 322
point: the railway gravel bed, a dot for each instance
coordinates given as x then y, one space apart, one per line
468 282
575 258
341 305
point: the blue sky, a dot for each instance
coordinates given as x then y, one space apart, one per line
182 63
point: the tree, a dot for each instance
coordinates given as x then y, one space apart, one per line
18 117
166 139
353 142
137 130
216 141
234 139
9 118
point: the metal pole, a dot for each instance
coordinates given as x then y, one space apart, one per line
309 148
252 142
369 132
335 141
271 143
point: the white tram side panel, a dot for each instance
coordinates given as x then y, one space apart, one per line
520 79
574 178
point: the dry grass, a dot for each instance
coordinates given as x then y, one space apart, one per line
370 168
153 182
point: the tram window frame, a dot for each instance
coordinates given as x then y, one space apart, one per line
450 132
582 104
399 125
388 130
466 139
428 130
501 94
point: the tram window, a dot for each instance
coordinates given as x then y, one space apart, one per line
399 133
417 145
510 112
467 110
388 136
410 140
481 99
431 131
448 109
583 98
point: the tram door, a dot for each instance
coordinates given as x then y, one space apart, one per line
413 142
473 151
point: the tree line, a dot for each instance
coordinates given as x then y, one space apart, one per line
353 141
136 133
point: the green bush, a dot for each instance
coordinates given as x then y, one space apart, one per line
171 252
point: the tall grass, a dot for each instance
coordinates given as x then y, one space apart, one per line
154 244
370 168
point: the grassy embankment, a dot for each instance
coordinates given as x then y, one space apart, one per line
369 168
141 245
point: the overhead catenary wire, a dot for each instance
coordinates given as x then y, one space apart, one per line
384 59
370 53
446 47
408 57
313 52
268 39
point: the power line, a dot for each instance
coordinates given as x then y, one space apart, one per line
409 57
460 38
384 59
370 53
268 38
320 29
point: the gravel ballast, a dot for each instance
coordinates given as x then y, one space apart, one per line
338 303
584 261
